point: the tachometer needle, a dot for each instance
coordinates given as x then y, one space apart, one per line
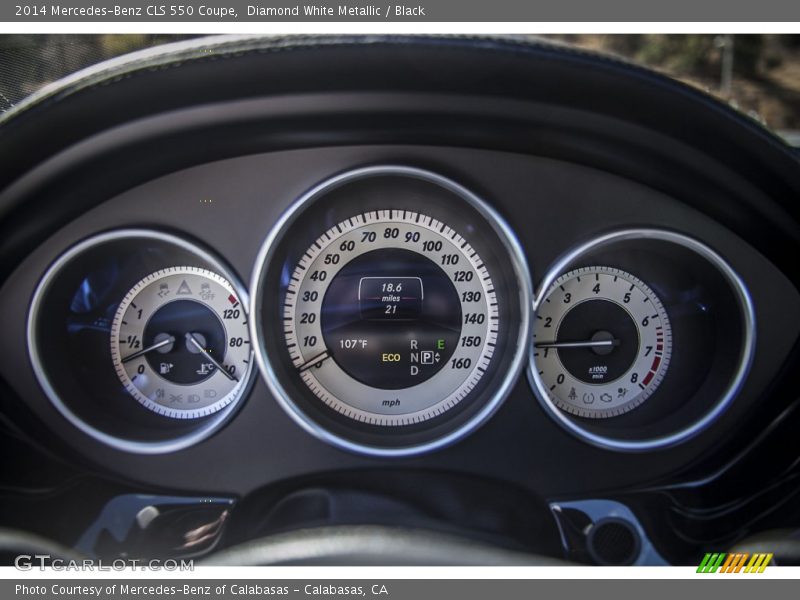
193 341
156 346
586 344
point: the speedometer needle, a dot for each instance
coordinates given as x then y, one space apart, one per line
313 361
586 344
156 346
193 341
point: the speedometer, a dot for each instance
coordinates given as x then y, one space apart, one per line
391 311
391 317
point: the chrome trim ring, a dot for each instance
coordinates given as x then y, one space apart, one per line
745 357
265 259
126 445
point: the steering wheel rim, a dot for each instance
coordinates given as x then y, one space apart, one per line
372 545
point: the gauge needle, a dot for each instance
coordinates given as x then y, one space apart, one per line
586 344
314 360
193 341
156 346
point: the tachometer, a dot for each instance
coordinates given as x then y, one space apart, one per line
602 342
391 317
602 362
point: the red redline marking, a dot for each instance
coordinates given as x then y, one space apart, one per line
656 362
232 299
647 379
659 347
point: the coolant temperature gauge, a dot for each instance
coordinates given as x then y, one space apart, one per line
180 344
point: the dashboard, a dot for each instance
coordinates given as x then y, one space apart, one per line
457 295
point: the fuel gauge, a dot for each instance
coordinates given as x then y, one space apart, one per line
180 344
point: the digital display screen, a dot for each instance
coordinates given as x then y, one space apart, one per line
390 298
391 318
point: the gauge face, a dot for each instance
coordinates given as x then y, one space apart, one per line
180 343
602 342
390 318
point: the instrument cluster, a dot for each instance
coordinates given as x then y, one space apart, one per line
392 312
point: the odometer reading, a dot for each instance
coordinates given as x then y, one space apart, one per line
390 318
602 342
390 298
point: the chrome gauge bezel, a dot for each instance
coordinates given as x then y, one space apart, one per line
210 424
273 371
577 256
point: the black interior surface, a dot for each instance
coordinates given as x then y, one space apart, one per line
565 146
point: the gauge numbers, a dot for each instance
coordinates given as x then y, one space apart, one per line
390 318
602 342
180 343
